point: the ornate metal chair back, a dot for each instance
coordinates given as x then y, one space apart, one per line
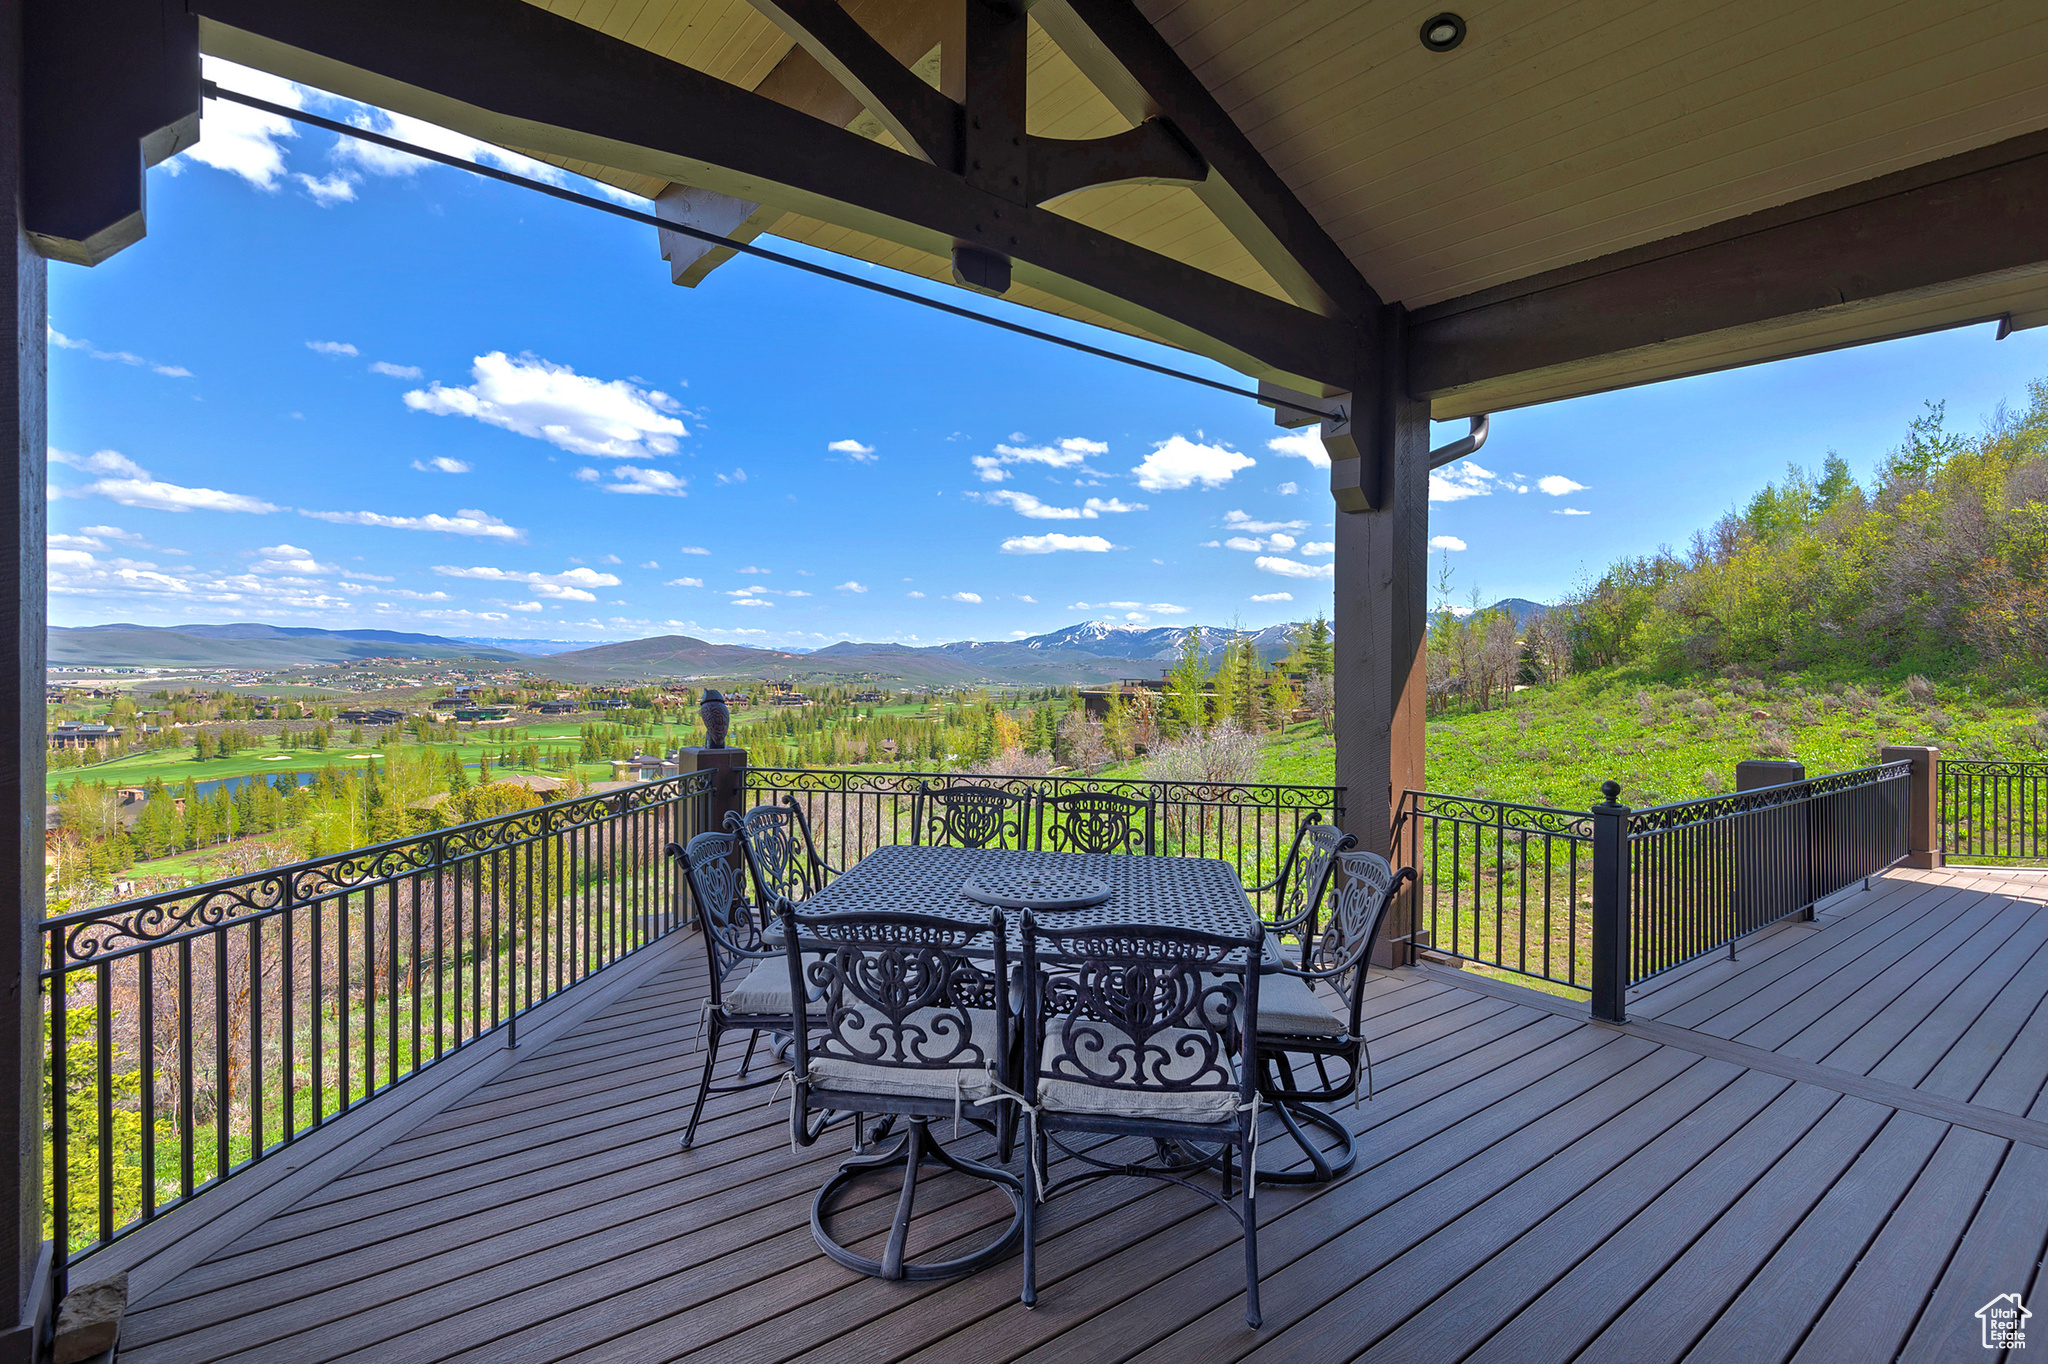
732 932
780 853
969 817
899 991
1306 876
1140 1009
1095 822
1363 886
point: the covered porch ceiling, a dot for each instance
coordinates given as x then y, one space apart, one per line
1579 196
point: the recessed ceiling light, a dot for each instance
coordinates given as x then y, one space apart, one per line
1443 33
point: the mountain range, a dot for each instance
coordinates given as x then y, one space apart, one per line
1091 651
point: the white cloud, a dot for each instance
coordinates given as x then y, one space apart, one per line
1070 453
331 347
441 464
1181 463
411 595
684 582
237 139
1569 511
1455 482
133 487
651 564
1306 444
750 568
609 419
850 586
327 190
1290 568
1164 609
1315 547
289 559
611 559
1022 597
1237 520
692 549
385 367
1049 544
370 159
589 476
860 454
1450 542
752 601
466 521
571 585
736 476
1027 504
125 357
1273 596
79 573
1557 485
655 482
918 595
973 598
1289 489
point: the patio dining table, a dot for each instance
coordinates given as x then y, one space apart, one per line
1201 893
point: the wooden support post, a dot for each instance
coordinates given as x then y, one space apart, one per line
1382 567
25 1258
1923 817
1610 906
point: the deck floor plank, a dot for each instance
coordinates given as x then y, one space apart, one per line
1531 1186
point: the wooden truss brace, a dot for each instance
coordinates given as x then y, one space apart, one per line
518 75
981 136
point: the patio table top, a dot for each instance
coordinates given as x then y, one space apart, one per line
1200 893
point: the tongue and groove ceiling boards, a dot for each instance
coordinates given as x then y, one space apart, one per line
1584 194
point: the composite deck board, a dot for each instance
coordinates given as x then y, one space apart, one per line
1530 1186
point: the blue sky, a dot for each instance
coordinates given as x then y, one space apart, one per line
342 389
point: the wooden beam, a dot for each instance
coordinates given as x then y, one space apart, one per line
1152 153
517 75
1933 228
1142 75
110 89
916 114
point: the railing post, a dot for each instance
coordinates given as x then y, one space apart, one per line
1610 906
1923 817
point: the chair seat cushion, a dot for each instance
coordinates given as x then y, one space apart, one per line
1288 1006
931 1034
1186 1052
762 990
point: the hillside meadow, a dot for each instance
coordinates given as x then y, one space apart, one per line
1554 744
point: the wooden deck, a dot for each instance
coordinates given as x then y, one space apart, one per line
1833 1148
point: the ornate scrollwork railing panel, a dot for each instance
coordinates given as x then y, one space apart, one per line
222 1022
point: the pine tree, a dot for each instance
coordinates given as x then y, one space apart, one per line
1186 683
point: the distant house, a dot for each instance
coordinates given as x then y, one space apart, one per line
484 715
555 708
789 698
869 698
380 716
79 734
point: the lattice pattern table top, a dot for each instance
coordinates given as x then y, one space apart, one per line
1167 892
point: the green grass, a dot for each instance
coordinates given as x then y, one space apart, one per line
1554 745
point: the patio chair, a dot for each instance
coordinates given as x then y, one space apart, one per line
969 817
749 983
1147 1033
1304 877
780 854
1094 822
907 1017
1295 1024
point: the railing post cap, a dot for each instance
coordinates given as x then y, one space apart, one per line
1610 792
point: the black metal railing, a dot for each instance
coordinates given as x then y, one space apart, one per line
191 1034
1675 882
1504 885
1994 811
1250 826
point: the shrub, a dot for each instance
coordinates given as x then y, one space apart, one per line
1224 754
1920 689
